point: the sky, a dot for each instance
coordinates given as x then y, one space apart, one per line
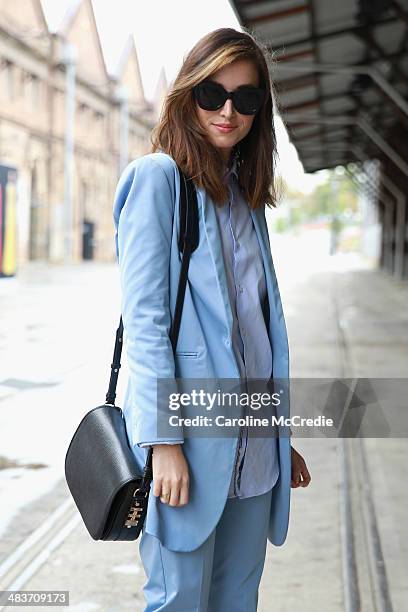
164 32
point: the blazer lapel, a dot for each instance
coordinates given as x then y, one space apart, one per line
263 240
214 241
277 326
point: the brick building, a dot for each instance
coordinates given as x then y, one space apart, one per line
50 182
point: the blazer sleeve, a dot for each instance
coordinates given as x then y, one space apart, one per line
143 216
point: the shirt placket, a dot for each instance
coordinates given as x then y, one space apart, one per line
243 430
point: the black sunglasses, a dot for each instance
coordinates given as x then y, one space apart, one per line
247 100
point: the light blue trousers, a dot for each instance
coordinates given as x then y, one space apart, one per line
222 575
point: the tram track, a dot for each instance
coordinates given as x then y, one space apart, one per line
28 557
365 583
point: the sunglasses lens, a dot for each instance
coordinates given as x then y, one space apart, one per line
212 96
209 96
249 101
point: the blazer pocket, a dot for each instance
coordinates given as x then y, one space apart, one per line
187 354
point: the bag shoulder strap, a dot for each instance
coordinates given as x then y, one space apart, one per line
187 243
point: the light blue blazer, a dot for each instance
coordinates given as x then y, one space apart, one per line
147 223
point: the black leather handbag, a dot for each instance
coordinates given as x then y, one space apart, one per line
100 468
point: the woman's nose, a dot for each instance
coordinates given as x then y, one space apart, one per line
227 109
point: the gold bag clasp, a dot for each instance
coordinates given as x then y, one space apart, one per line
135 510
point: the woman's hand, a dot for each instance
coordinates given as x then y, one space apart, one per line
170 474
299 470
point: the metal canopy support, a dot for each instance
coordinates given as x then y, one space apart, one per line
391 153
401 219
370 191
387 226
400 226
377 77
385 86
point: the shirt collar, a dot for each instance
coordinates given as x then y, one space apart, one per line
233 169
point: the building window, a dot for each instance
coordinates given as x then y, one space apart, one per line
9 79
83 115
30 88
35 93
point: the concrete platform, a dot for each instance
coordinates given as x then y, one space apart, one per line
305 574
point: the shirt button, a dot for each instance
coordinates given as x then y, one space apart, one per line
227 342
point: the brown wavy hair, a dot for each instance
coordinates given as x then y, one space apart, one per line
180 134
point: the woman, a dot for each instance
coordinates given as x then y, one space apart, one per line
214 501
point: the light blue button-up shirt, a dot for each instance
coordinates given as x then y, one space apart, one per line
256 468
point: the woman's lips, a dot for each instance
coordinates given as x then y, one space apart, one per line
223 129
